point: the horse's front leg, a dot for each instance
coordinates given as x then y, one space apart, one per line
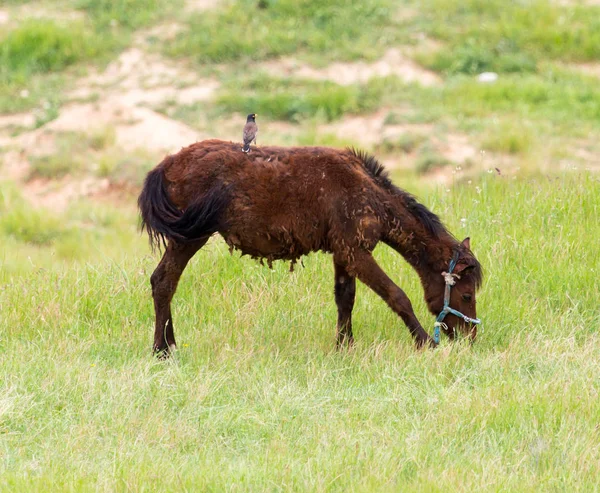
164 282
369 272
345 291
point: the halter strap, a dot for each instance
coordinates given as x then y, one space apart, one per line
450 280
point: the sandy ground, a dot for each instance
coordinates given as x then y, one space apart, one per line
394 62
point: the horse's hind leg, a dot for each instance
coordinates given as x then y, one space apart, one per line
345 290
164 282
369 272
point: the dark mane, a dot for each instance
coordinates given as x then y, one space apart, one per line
375 169
476 273
428 219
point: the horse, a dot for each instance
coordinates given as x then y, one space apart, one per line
280 203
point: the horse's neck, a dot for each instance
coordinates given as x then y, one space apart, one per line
428 254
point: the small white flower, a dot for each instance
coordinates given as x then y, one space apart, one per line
24 93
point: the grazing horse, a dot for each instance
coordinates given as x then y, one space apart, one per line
279 203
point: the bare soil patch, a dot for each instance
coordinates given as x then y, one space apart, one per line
129 83
16 120
457 148
38 10
164 31
121 93
201 5
135 127
591 68
394 62
570 3
56 195
15 165
369 130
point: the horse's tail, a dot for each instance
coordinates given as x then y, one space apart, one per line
162 220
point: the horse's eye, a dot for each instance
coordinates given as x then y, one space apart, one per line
467 297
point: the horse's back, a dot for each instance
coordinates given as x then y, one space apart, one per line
283 202
284 176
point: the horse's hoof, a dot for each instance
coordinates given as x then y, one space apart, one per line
426 343
344 343
161 353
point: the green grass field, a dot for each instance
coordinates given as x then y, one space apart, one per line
257 398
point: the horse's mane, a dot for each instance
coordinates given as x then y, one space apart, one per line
428 219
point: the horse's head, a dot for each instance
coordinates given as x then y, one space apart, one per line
451 294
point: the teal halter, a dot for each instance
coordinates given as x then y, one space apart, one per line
449 278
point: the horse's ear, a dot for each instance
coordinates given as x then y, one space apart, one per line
464 263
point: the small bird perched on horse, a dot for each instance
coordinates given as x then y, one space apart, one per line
250 131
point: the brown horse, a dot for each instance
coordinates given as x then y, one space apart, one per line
281 203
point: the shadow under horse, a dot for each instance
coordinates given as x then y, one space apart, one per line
279 203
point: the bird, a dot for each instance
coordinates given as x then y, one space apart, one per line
250 131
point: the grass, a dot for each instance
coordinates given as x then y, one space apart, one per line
40 56
406 142
51 239
43 46
321 31
295 100
95 153
38 89
313 137
510 37
102 137
127 169
71 156
126 15
256 396
559 96
33 58
510 137
25 224
429 159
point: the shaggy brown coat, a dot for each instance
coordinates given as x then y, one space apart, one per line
281 203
